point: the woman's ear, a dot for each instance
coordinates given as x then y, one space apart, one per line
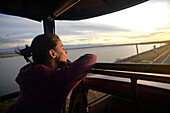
52 53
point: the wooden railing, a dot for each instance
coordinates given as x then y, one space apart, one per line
148 68
132 71
149 72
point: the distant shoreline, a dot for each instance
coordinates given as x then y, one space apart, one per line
142 43
8 55
12 54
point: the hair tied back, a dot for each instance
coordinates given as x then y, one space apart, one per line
27 52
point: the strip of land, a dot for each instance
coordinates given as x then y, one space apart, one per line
9 55
164 58
147 56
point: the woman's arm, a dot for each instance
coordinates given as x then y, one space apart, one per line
69 76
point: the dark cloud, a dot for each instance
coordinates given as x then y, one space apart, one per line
14 38
107 39
5 40
84 39
8 41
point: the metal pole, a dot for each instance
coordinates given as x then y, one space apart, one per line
137 49
49 26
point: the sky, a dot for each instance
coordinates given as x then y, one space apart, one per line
149 21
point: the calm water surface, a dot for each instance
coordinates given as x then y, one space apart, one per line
9 67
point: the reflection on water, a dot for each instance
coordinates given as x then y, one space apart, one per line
104 54
9 67
111 54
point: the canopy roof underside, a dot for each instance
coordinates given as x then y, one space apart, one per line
41 9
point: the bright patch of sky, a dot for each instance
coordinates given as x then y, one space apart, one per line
149 21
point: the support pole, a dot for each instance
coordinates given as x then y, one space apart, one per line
49 26
137 49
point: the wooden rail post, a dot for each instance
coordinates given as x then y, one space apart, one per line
84 94
134 92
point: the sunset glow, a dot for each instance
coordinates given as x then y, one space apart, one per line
145 17
149 21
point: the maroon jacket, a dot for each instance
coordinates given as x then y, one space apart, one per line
44 90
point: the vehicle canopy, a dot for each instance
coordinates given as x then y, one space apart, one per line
63 9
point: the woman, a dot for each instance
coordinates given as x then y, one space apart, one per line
46 82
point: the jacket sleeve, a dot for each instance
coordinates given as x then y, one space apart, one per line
69 76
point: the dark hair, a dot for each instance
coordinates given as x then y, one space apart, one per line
39 48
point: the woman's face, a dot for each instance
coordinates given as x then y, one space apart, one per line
61 52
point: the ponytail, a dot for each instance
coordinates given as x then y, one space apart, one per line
26 53
39 48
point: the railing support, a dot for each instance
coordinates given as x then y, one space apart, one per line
137 49
134 92
84 94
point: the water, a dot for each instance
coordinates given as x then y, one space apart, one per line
111 54
104 54
9 67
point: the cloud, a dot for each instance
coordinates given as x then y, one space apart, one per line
84 28
84 32
160 1
164 28
14 20
67 42
97 30
11 24
69 32
14 38
77 40
85 39
20 35
8 41
145 35
107 39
